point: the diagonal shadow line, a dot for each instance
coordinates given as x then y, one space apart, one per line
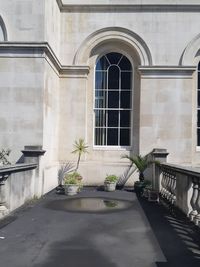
175 250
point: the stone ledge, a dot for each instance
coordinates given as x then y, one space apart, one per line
17 168
188 170
41 50
137 7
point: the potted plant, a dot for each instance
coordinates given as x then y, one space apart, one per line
141 163
72 183
80 148
110 182
62 172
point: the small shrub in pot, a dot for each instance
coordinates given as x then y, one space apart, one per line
110 182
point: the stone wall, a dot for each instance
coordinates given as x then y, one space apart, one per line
47 78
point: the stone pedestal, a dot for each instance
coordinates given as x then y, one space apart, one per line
158 154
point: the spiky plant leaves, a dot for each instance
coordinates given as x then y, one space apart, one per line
141 163
64 169
80 148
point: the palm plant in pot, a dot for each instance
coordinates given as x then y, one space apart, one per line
141 163
110 182
73 179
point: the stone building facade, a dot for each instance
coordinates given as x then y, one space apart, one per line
59 63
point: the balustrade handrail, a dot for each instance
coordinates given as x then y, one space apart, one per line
17 167
188 170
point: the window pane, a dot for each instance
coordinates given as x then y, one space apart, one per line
113 99
112 137
125 80
125 64
113 77
101 80
125 99
125 137
100 118
113 118
198 86
125 118
198 118
102 64
100 99
114 58
198 95
100 136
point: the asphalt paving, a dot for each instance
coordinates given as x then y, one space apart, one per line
51 232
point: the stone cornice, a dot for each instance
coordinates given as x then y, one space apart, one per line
166 71
128 7
41 50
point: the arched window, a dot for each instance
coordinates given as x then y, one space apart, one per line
198 107
3 32
113 101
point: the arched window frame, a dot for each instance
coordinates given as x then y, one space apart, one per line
3 29
105 145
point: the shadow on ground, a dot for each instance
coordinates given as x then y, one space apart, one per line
75 253
178 238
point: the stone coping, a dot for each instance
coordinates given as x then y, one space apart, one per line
140 6
187 170
17 168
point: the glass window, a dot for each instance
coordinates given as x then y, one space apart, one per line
113 100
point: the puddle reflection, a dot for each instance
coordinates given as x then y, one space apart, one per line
90 205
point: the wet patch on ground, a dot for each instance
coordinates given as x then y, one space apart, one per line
90 205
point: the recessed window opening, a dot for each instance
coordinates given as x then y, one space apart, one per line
113 101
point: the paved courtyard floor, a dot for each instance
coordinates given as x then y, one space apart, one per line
44 234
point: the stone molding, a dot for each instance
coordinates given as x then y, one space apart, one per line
167 72
41 50
187 170
191 54
5 170
3 27
117 34
81 8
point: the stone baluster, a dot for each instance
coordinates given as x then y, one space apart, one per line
173 189
163 183
197 204
169 195
167 185
165 176
193 200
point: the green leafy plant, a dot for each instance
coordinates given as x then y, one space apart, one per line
141 163
80 148
72 178
111 178
4 153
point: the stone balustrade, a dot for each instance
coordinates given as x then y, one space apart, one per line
21 182
180 186
168 184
